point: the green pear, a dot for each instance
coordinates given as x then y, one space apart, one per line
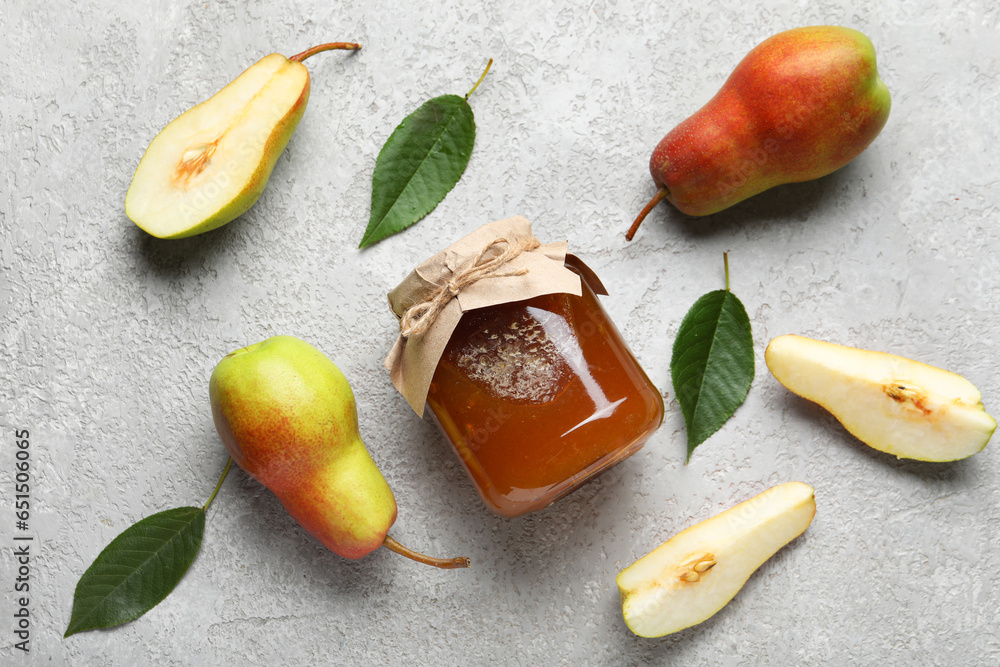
694 574
895 405
288 417
211 163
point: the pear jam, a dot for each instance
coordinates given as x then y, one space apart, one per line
540 395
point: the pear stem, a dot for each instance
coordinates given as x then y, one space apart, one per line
299 57
725 260
657 198
225 471
443 563
481 77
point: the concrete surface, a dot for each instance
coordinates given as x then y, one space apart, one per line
109 336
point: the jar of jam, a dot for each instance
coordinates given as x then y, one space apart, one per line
538 395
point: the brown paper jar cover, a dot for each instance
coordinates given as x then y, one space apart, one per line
525 374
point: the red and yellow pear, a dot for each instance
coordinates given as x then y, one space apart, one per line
799 106
288 417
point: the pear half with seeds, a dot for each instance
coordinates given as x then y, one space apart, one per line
893 404
211 163
697 572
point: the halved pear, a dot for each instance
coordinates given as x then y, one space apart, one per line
211 163
893 404
697 572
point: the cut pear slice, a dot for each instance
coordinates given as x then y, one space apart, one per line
697 572
895 405
211 163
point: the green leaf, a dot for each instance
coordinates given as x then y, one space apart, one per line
712 364
137 570
419 164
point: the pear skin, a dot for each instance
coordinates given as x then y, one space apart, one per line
799 106
211 163
287 416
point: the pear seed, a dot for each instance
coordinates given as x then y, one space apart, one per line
194 161
704 566
194 152
907 395
696 559
690 576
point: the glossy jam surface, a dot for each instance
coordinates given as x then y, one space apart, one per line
538 396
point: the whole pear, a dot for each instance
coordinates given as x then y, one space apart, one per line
211 163
800 105
288 417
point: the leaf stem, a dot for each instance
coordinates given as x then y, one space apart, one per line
481 77
725 260
329 46
443 563
225 471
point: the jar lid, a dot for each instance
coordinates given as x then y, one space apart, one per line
498 263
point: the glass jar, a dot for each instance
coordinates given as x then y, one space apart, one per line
538 396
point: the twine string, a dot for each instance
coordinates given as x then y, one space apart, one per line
420 316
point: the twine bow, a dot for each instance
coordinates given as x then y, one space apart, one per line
419 317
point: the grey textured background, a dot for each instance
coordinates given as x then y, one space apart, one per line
109 336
